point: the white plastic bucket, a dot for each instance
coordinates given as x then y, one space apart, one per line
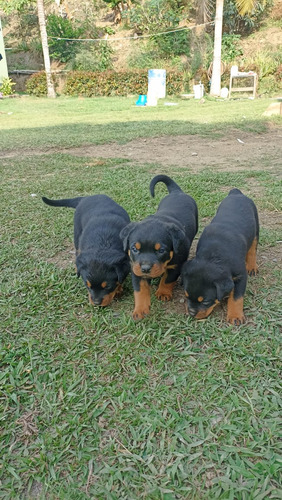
152 99
224 92
198 91
157 82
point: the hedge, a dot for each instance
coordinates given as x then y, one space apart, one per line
107 83
36 84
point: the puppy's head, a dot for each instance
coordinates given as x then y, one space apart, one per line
102 279
151 245
205 285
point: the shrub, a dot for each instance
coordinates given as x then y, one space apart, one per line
268 85
230 47
36 84
111 83
107 83
172 44
96 57
233 22
62 28
6 88
264 62
152 16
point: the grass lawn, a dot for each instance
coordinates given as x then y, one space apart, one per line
92 404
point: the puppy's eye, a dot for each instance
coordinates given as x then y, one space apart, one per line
134 249
161 250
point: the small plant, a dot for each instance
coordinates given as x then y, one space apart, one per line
6 87
230 47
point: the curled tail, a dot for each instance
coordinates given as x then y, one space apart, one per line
170 184
68 202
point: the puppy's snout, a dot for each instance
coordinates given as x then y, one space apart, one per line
145 268
97 302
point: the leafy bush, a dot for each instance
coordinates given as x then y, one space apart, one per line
97 57
62 28
145 56
6 88
36 84
111 83
268 85
152 16
230 48
234 23
172 44
264 62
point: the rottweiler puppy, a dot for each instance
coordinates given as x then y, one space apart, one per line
100 258
225 255
158 245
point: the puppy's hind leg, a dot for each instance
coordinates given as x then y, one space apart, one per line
251 259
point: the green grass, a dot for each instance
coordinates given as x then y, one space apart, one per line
69 122
94 405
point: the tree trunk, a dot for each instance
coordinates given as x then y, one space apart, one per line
216 67
42 24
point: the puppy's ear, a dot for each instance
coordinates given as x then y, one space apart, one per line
79 264
223 288
124 234
178 237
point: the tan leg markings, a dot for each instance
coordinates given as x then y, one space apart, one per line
235 314
251 259
164 292
142 301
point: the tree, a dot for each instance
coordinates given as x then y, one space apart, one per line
243 7
44 40
9 6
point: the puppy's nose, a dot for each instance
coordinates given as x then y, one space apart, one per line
145 268
97 302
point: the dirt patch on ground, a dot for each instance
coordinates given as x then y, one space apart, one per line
232 152
235 151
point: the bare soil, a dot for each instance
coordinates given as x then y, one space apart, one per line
235 151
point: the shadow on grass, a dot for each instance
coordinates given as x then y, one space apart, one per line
121 132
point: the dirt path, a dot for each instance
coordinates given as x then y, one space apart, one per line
235 151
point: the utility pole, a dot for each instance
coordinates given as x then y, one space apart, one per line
3 61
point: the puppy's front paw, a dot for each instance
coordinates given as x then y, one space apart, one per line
237 320
140 313
253 271
164 292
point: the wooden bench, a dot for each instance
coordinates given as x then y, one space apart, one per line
251 88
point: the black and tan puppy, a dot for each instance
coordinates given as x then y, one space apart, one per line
226 253
159 244
100 258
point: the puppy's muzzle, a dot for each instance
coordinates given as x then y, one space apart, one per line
97 302
145 268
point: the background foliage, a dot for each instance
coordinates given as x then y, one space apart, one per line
187 51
